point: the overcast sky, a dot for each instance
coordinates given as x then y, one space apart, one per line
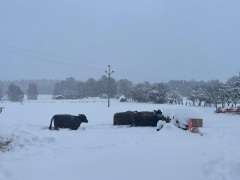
142 40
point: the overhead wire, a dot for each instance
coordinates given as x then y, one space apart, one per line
51 55
50 60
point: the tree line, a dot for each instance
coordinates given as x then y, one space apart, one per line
219 93
15 94
212 92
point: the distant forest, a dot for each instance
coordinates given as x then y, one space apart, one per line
47 86
208 93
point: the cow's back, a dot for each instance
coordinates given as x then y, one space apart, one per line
134 118
123 118
145 118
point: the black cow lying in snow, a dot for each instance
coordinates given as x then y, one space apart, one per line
67 121
134 118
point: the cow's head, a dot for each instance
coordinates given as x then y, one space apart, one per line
157 112
83 118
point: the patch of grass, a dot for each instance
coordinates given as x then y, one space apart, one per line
4 144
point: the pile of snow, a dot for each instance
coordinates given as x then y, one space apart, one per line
16 139
182 114
122 99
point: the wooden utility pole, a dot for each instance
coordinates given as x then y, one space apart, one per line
109 83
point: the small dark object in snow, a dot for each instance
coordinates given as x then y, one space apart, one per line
1 108
4 144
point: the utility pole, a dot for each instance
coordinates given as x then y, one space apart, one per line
109 90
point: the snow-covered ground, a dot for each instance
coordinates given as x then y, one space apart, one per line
99 150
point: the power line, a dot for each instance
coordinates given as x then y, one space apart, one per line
51 55
33 57
50 58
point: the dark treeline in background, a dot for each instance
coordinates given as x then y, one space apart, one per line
209 93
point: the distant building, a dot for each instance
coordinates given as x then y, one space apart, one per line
59 97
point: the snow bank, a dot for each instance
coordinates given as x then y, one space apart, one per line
182 114
18 139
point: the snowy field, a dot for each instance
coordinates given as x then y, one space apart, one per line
100 151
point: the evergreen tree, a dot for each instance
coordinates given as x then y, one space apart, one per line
235 93
141 91
113 87
192 96
201 95
90 87
174 97
57 90
15 94
32 92
216 95
158 93
124 87
1 93
208 99
70 88
81 89
102 85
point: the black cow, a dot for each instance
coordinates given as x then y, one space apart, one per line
134 118
67 121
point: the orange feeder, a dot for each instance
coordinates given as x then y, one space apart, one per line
190 125
194 123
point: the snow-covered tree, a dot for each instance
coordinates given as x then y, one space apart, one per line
57 90
208 99
141 91
81 89
235 92
201 95
102 85
228 94
32 92
70 88
90 87
158 93
1 93
67 88
222 95
113 87
216 95
124 87
15 94
192 96
174 97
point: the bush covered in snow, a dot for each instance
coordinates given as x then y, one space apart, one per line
4 144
